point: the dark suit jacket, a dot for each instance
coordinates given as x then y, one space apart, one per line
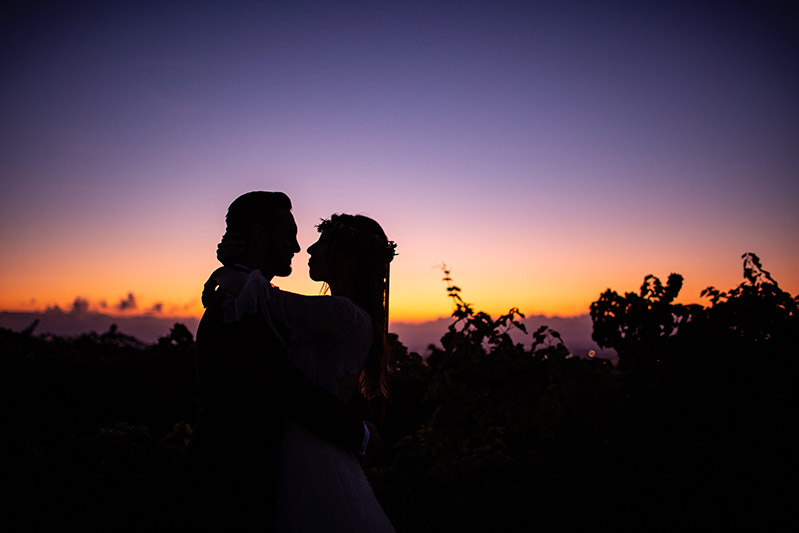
247 386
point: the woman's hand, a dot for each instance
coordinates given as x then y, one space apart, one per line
224 278
230 248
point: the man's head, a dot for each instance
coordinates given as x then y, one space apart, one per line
264 221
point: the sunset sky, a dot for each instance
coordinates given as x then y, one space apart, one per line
543 151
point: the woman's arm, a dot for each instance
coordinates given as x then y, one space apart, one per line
319 319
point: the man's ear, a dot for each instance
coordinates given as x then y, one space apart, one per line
259 236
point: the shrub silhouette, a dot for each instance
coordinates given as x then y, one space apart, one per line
715 385
647 327
96 428
692 426
505 422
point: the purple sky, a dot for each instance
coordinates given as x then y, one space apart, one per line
545 151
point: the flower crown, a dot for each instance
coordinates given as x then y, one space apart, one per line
343 230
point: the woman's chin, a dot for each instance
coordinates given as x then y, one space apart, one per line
317 274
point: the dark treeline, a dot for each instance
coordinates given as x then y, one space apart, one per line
692 429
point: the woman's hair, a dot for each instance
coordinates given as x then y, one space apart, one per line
362 239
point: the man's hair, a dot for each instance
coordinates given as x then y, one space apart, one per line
255 207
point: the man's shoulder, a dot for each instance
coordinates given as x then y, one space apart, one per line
212 316
214 327
212 324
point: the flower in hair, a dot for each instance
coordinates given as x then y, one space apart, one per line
339 229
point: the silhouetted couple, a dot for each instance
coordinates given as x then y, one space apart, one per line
276 447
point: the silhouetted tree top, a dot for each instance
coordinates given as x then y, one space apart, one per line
643 327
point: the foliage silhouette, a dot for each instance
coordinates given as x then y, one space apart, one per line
691 427
714 385
96 429
502 426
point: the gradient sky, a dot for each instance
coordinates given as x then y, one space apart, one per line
543 151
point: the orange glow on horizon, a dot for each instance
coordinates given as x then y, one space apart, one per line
165 272
413 299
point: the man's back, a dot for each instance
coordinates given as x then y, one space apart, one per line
233 368
235 448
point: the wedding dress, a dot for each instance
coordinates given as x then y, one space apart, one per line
322 486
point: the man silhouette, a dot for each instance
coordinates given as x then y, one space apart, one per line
247 385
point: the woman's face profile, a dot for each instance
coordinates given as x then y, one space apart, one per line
319 262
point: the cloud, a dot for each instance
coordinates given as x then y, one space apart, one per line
80 305
128 303
157 307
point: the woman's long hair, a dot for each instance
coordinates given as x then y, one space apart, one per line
362 239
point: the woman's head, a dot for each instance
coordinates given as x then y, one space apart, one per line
354 253
349 245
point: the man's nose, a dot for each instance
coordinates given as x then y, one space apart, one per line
296 247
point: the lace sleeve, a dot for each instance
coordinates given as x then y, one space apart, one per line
321 320
337 332
246 295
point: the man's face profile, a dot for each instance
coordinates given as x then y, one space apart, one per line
283 243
